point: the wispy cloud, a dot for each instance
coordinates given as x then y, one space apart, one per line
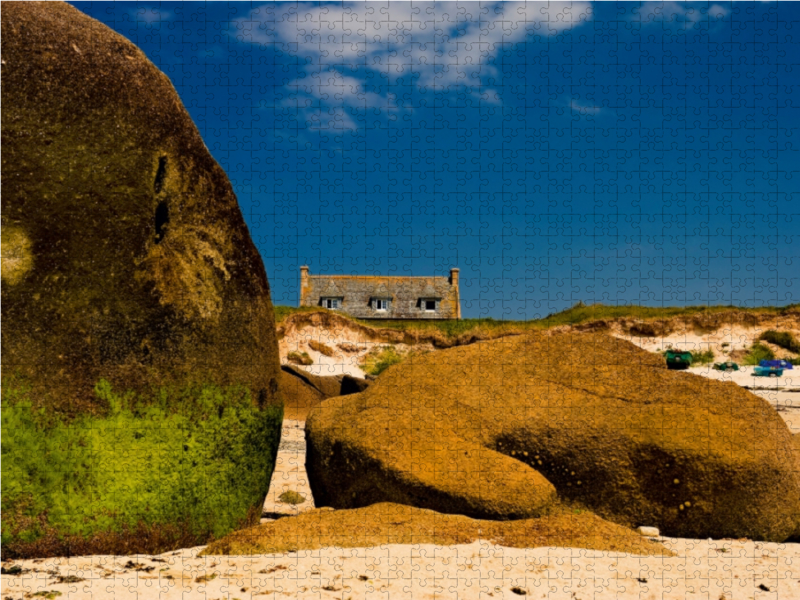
354 52
584 109
333 88
678 14
151 14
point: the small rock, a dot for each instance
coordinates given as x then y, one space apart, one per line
648 531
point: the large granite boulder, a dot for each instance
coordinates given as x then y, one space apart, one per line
327 385
136 310
125 254
299 398
492 429
303 391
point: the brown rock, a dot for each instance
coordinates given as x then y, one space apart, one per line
353 385
128 257
328 386
387 523
486 431
301 391
298 397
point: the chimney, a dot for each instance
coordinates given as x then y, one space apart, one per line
303 284
454 277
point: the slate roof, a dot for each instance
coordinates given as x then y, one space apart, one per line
404 293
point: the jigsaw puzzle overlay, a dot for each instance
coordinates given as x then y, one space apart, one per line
410 300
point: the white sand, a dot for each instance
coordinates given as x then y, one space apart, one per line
783 393
289 473
705 570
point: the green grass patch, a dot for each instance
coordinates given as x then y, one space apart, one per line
578 314
702 358
197 458
299 358
782 339
377 360
757 353
291 497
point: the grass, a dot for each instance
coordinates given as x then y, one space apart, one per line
182 465
578 314
757 353
782 339
702 358
282 312
380 359
291 497
300 358
323 349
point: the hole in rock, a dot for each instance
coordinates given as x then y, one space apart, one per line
161 220
160 174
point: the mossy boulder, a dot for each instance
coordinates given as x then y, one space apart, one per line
494 429
125 253
126 263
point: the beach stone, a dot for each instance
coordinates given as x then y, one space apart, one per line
353 385
302 391
125 253
494 429
298 396
327 385
648 531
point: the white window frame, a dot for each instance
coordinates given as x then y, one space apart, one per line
331 303
381 304
425 305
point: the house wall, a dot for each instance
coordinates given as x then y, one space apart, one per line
405 294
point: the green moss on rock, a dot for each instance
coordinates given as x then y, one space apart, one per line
179 467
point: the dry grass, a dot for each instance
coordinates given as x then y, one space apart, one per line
388 523
323 349
637 320
300 358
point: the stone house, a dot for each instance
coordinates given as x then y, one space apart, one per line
376 297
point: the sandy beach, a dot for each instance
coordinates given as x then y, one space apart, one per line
700 569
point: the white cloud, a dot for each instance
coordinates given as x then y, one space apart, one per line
334 88
678 14
447 45
584 109
151 14
330 119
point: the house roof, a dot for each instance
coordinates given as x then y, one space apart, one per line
405 294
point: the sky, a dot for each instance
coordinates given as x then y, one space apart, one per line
622 153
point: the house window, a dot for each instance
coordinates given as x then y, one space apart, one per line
332 303
380 304
429 304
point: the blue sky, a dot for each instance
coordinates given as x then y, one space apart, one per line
606 152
